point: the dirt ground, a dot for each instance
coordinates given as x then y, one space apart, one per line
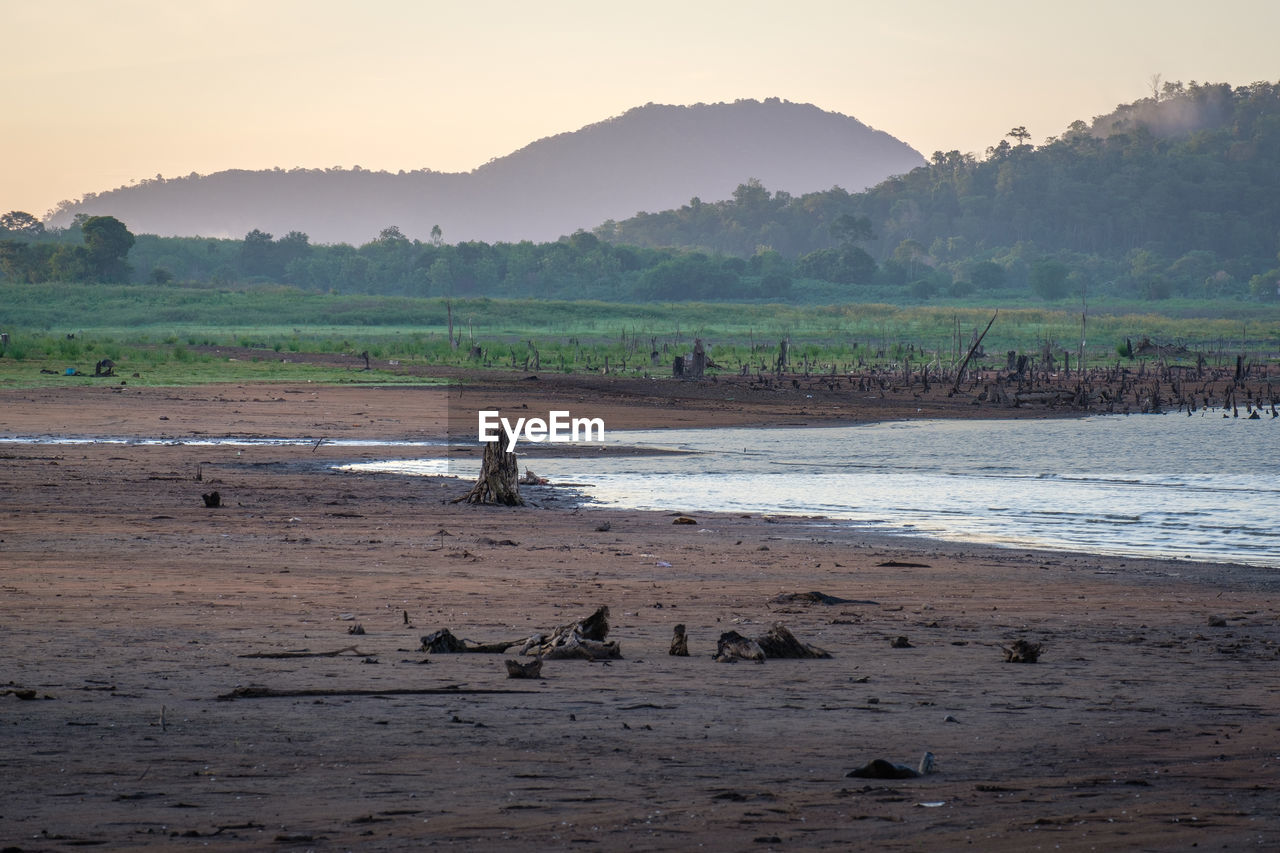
1151 722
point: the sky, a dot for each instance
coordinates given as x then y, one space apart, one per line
96 94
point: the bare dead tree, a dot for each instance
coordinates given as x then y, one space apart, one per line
499 480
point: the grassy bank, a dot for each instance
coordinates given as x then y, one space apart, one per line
166 334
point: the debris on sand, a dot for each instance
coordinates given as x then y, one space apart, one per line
880 768
901 643
1022 652
733 647
305 654
583 639
898 564
532 479
779 642
679 643
213 500
684 519
444 642
815 597
532 669
1217 621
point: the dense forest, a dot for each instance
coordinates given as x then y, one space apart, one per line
1174 195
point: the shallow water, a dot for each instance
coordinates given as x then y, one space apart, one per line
1202 487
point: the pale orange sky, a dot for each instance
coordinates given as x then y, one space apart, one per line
98 93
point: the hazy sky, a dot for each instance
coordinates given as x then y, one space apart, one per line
98 93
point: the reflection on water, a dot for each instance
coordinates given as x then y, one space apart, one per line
1156 485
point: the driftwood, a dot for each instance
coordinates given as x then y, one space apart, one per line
679 643
880 768
778 642
444 642
781 643
213 500
532 669
352 649
583 639
1022 652
254 691
815 598
733 647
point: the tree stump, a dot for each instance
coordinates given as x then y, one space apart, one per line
499 480
679 643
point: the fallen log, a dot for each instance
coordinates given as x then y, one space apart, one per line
880 768
815 598
352 649
444 642
733 647
781 643
532 669
254 691
1022 651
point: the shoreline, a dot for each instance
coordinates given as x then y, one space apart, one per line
1149 719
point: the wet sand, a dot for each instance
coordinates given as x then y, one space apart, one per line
129 605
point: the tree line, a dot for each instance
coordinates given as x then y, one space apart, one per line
1172 195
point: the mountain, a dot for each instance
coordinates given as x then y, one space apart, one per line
653 157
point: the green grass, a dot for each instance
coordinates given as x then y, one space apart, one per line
159 332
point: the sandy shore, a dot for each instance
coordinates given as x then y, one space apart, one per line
127 607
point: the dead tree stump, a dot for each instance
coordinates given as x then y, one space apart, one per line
499 480
679 643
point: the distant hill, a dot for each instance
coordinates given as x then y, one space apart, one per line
650 158
1175 193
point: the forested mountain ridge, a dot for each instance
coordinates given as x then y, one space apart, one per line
650 158
1174 195
1166 193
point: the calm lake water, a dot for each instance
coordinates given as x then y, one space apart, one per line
1203 487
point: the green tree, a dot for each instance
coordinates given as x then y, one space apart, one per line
987 275
1048 278
255 253
1021 134
107 242
21 222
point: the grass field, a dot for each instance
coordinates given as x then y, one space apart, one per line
164 333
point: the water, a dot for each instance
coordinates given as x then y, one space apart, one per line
1153 485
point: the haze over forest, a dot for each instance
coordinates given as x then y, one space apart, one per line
651 158
1171 195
